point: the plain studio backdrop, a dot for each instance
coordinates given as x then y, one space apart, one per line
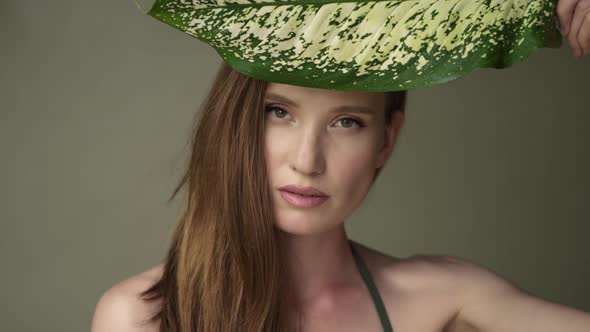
96 105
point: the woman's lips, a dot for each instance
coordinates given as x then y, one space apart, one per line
302 201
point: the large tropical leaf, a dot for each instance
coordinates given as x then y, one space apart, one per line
357 45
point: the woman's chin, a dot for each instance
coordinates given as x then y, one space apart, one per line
303 226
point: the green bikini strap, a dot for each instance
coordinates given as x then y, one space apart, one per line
372 289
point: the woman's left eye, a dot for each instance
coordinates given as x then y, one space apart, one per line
359 123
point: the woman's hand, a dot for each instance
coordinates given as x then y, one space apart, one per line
574 22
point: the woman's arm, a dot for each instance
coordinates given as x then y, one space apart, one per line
493 304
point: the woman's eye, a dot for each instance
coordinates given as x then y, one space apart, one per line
270 108
360 124
344 121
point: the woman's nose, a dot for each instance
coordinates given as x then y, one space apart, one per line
308 156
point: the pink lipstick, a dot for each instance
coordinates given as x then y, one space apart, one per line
300 196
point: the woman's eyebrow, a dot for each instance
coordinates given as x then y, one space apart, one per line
342 109
281 99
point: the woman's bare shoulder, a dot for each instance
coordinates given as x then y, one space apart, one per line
419 272
430 287
121 308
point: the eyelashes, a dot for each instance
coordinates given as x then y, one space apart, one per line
270 108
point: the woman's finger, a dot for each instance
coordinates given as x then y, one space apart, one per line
584 34
565 12
582 7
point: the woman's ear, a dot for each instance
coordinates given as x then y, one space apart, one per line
391 135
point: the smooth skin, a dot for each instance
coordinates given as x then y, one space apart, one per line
422 293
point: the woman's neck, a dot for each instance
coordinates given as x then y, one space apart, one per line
319 266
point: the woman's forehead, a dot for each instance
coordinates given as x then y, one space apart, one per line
293 94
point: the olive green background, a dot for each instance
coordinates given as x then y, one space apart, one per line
96 104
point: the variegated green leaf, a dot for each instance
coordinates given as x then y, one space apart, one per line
366 45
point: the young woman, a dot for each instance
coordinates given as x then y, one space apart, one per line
261 246
251 254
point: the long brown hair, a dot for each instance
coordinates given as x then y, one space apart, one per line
223 269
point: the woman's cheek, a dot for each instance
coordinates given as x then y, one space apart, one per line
272 145
355 168
277 144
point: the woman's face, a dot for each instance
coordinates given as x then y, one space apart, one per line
310 142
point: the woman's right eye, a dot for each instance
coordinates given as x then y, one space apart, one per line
271 108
